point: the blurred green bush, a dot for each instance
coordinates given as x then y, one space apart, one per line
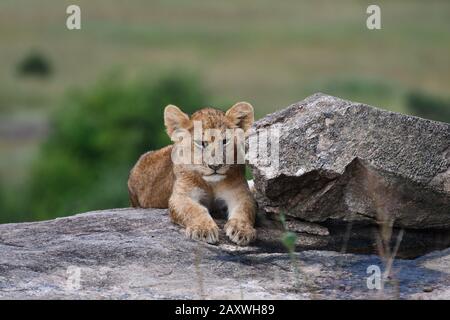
96 138
35 64
428 106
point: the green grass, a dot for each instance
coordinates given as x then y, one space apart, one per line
266 53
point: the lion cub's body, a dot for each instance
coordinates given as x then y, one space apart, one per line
151 180
190 190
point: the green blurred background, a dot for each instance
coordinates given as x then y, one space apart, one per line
78 107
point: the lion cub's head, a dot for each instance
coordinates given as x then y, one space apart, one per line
211 141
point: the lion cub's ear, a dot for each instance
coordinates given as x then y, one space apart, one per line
175 119
241 114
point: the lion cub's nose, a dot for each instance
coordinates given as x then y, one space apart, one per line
215 167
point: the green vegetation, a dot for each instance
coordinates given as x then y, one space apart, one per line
288 238
96 136
428 106
34 64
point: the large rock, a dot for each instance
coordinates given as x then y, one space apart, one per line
139 254
345 161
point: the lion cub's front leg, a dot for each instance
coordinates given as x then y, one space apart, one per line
241 215
187 211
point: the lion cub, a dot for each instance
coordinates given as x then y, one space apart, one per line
191 188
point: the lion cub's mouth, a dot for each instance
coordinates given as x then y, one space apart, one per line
215 177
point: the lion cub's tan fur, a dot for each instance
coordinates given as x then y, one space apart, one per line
190 190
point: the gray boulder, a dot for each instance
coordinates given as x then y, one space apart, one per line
139 254
344 161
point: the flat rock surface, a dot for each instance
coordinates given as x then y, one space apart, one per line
139 254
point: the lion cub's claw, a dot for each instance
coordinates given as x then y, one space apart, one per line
207 232
241 233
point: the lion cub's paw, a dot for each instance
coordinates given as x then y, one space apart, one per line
207 231
240 232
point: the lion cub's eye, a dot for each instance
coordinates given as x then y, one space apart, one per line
203 144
